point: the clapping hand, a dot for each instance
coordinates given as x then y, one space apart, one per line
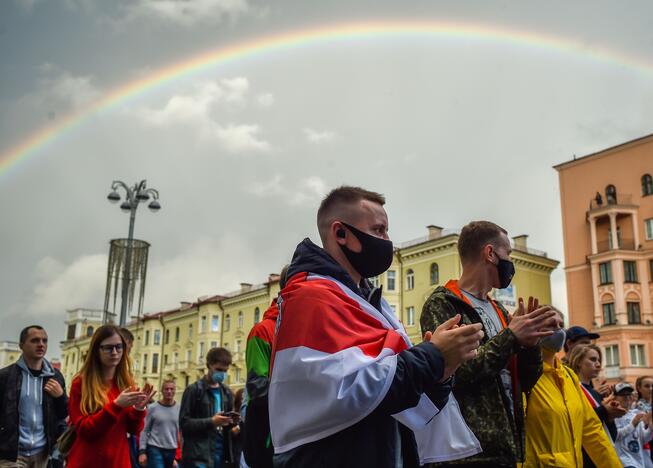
532 323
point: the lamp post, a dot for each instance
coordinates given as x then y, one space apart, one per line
133 196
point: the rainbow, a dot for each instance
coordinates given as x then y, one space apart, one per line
30 146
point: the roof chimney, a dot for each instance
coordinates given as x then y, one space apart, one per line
520 242
434 231
273 277
244 287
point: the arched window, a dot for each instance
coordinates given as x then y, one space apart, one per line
435 273
410 279
227 322
647 185
611 195
257 315
240 319
89 331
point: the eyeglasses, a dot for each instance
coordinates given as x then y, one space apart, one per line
108 349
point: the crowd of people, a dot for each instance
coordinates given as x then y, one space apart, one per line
333 380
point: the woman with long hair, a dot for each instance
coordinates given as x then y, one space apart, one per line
559 420
586 361
104 404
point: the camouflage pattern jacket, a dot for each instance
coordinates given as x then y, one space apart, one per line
477 385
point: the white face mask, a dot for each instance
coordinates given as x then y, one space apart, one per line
554 342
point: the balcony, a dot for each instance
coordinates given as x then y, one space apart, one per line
621 202
624 244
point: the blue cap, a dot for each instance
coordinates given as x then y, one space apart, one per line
575 333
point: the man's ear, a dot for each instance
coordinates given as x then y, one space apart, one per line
340 232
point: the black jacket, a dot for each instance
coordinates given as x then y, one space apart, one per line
197 429
372 441
55 410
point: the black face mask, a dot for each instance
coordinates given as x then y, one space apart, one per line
375 256
506 270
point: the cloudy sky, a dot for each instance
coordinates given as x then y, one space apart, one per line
451 127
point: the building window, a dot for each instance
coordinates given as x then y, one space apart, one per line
176 334
611 194
203 324
648 227
227 322
144 363
410 279
637 357
215 324
190 331
200 353
650 267
257 315
374 281
634 317
189 355
186 380
240 319
157 337
435 273
155 363
647 185
89 331
410 316
167 336
630 271
391 280
609 317
237 347
237 374
605 272
70 334
214 344
165 359
612 356
147 337
175 358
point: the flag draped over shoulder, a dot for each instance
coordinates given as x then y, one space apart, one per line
333 361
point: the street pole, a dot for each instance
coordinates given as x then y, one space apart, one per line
133 196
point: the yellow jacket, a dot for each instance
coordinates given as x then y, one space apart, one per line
560 422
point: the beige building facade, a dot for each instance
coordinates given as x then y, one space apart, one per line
607 218
173 344
9 353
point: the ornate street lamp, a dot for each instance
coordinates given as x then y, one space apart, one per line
138 193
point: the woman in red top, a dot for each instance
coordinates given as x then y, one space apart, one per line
104 405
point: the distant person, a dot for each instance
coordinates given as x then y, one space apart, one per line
33 404
578 336
160 436
559 420
132 439
104 404
490 387
633 430
236 431
257 443
207 416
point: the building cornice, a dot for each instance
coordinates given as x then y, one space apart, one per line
604 152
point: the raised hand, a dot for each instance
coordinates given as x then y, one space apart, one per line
128 397
147 392
613 408
529 325
458 344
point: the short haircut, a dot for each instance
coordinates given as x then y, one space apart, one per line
168 381
127 335
475 236
218 356
25 331
339 204
283 276
577 355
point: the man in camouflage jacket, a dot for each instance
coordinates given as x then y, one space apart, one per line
489 388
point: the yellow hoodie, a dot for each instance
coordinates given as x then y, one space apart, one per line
560 422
